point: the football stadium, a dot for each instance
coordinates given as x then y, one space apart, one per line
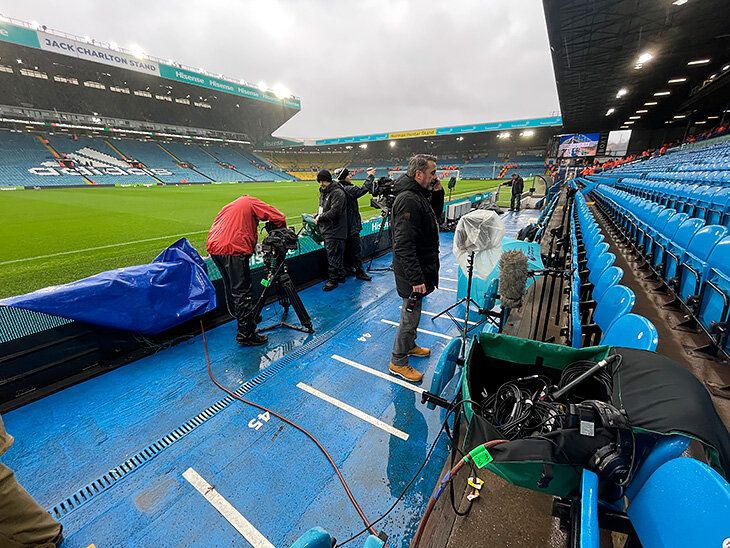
511 332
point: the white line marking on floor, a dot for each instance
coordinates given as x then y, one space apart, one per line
448 279
234 517
445 317
447 289
377 373
425 331
354 411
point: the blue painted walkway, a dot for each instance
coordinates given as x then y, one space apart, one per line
271 474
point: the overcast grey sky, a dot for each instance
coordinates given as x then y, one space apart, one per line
361 66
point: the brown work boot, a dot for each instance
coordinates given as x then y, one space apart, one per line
406 372
419 352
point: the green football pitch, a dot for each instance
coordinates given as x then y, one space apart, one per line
59 235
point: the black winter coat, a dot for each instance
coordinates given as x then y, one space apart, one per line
332 220
415 235
518 185
354 221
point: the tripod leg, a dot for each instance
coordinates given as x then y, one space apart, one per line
293 297
283 300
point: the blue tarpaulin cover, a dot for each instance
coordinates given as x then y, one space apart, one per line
149 299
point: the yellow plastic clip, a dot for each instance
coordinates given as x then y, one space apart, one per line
476 483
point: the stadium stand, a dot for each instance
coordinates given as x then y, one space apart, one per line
598 302
152 156
199 161
44 160
690 258
21 151
262 166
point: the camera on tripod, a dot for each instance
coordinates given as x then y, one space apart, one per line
277 243
274 249
383 194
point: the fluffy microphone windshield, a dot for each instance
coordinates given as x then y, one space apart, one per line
512 278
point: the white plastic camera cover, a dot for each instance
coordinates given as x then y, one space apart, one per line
480 231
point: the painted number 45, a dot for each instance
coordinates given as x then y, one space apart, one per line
259 421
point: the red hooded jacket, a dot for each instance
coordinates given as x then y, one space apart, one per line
235 228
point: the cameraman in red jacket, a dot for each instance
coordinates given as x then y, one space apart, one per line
231 242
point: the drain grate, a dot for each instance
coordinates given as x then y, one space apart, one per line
98 486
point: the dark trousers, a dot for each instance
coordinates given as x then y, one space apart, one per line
236 273
405 338
353 253
335 249
515 201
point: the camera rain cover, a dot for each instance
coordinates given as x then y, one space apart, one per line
149 299
479 231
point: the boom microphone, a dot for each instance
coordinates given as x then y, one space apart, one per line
513 273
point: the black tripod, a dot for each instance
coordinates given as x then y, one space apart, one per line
463 325
278 280
385 218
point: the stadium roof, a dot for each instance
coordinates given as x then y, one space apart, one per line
49 72
654 62
550 121
135 58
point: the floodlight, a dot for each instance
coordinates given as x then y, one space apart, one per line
677 80
137 51
642 111
662 93
698 62
644 58
650 104
281 91
610 111
679 116
634 117
392 144
621 93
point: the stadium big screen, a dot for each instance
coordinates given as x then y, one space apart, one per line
578 145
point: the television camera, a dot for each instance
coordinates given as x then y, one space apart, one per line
383 194
274 248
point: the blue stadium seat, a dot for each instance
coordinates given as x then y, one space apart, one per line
714 301
610 277
677 246
632 331
615 302
662 240
594 252
602 263
693 268
683 503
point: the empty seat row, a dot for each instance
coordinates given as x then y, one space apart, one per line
689 257
710 203
600 306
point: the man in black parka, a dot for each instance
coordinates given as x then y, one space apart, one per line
518 186
418 204
353 250
332 223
